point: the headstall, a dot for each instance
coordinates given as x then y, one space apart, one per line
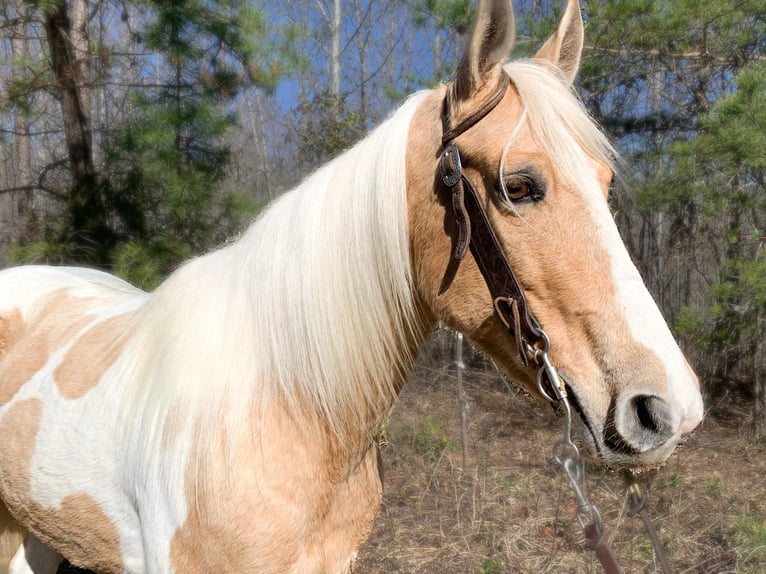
511 307
475 233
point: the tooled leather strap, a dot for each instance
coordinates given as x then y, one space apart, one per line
475 232
450 133
452 175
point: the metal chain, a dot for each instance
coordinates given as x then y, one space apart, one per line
565 452
567 456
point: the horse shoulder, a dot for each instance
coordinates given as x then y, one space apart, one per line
281 499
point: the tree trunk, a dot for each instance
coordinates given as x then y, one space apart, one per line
90 237
361 39
335 55
759 398
69 64
17 206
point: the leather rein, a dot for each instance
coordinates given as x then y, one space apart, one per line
475 232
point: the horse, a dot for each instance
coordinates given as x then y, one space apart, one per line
227 421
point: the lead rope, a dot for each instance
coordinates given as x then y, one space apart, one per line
640 501
567 456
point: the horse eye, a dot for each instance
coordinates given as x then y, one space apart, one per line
519 188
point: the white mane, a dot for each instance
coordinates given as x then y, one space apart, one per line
312 308
309 308
560 122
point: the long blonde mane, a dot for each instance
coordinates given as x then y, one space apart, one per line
311 307
560 122
308 309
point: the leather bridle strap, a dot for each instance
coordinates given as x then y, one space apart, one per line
475 232
450 133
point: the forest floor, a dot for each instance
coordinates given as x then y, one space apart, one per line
510 509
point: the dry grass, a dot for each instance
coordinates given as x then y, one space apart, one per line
510 509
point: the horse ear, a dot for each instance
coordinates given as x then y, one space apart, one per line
490 44
564 48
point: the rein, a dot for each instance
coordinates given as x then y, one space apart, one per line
475 232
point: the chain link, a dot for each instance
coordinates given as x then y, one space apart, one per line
565 452
567 456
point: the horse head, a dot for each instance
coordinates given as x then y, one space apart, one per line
541 171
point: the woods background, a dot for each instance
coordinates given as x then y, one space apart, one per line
137 133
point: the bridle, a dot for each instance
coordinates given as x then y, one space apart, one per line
475 233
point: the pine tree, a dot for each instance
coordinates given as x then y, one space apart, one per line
675 84
723 171
144 184
168 161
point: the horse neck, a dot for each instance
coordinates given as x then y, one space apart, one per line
336 318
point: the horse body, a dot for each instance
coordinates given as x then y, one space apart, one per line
274 498
183 428
227 421
60 335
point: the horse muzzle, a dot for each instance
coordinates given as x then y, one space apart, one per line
637 430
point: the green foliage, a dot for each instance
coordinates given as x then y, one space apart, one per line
328 129
147 258
167 166
45 6
680 85
735 130
168 162
431 440
739 298
452 15
677 26
676 480
714 487
750 538
681 88
81 232
446 20
490 566
689 321
720 176
29 76
158 197
214 37
41 251
145 264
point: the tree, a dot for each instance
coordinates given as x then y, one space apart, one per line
167 162
723 170
444 19
163 85
66 29
17 206
658 76
143 181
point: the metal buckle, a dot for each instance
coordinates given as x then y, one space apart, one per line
450 167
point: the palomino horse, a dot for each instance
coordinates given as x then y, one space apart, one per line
227 422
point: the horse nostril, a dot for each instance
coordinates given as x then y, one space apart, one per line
642 422
645 413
